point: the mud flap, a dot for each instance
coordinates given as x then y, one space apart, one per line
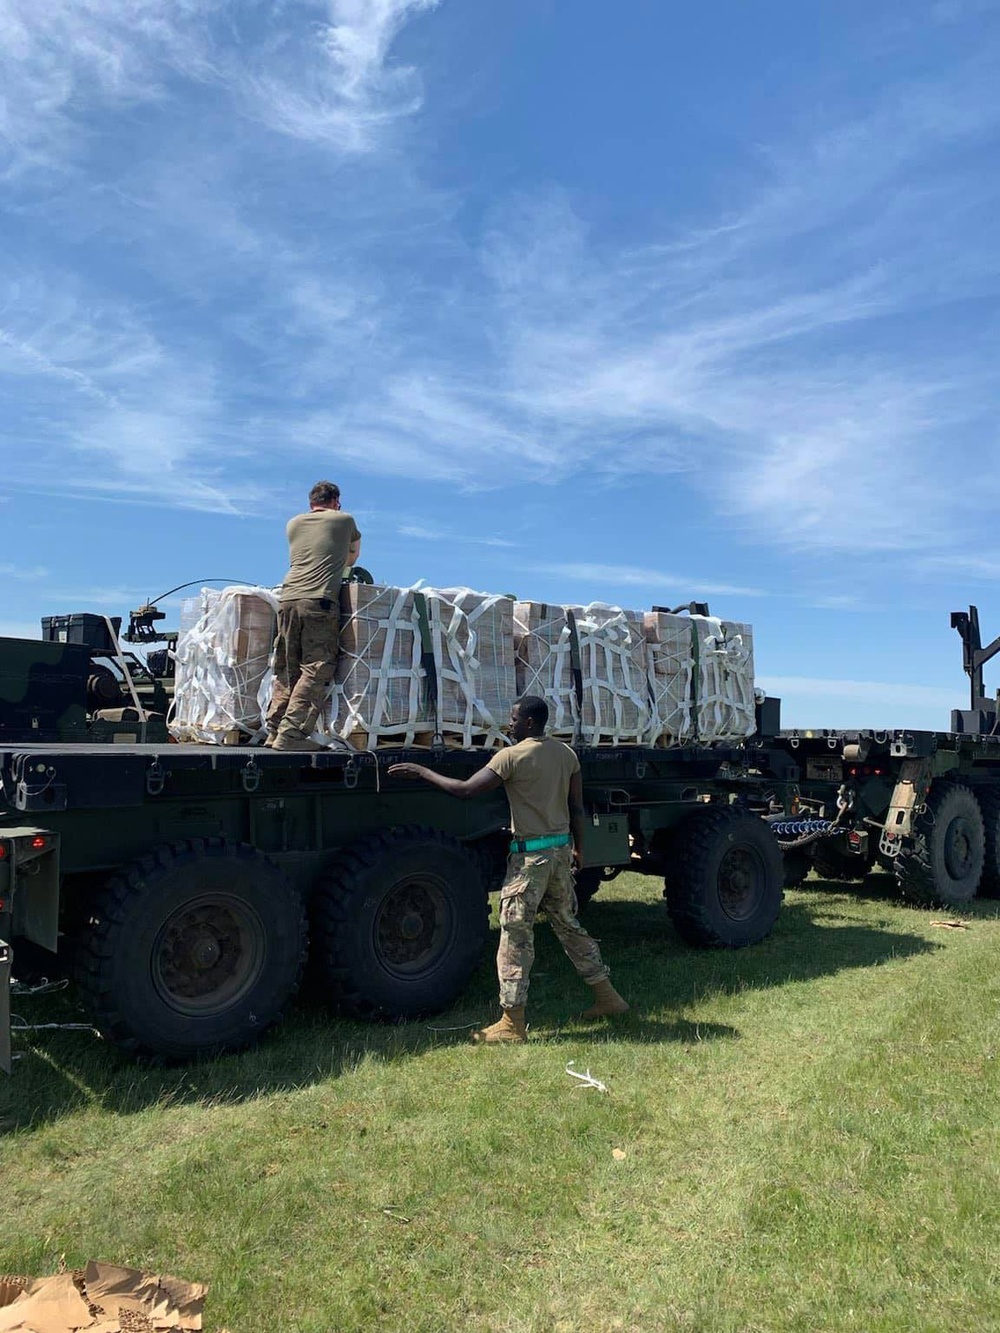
910 792
5 1054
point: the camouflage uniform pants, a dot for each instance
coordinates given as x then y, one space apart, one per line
540 881
305 660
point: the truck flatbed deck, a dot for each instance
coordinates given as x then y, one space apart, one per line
189 882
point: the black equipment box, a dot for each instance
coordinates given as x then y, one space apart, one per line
768 716
81 628
43 691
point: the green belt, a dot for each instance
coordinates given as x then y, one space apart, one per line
539 844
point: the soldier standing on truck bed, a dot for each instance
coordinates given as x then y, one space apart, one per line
322 544
543 784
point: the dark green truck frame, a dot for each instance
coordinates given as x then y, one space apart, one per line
923 804
186 884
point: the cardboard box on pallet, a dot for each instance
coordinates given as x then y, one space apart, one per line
223 655
615 683
701 679
724 671
543 662
474 653
381 696
380 692
612 662
671 662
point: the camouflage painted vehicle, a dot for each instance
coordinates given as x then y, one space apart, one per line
184 885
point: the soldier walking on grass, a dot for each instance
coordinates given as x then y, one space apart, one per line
543 785
322 544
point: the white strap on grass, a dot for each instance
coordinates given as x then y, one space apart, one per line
587 1080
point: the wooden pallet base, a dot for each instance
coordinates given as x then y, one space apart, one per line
483 742
391 740
421 740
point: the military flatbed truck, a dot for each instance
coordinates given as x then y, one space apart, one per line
923 804
186 886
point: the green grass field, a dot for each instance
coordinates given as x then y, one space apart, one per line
800 1136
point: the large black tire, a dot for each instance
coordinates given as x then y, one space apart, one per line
944 863
192 949
399 924
795 866
725 888
989 805
832 862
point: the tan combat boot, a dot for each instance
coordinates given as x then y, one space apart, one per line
294 740
510 1028
607 1001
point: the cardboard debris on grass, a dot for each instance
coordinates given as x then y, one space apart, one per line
101 1298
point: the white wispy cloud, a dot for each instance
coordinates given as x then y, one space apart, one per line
327 79
765 359
817 702
864 691
632 576
421 533
755 358
102 406
23 573
337 87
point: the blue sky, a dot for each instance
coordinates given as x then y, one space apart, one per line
632 303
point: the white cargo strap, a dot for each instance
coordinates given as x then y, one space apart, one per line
463 711
670 668
726 707
379 696
544 653
615 683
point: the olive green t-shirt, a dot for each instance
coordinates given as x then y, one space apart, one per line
536 775
318 544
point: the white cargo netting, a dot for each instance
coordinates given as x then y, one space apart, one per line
650 678
222 658
544 662
608 647
724 673
701 679
473 639
382 694
671 666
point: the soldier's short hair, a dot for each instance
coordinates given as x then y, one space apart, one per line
535 709
324 493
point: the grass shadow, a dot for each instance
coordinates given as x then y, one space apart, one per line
62 1072
880 886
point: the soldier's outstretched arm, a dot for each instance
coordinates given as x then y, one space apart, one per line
483 781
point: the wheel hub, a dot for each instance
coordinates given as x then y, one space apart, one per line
958 849
741 883
412 926
207 954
